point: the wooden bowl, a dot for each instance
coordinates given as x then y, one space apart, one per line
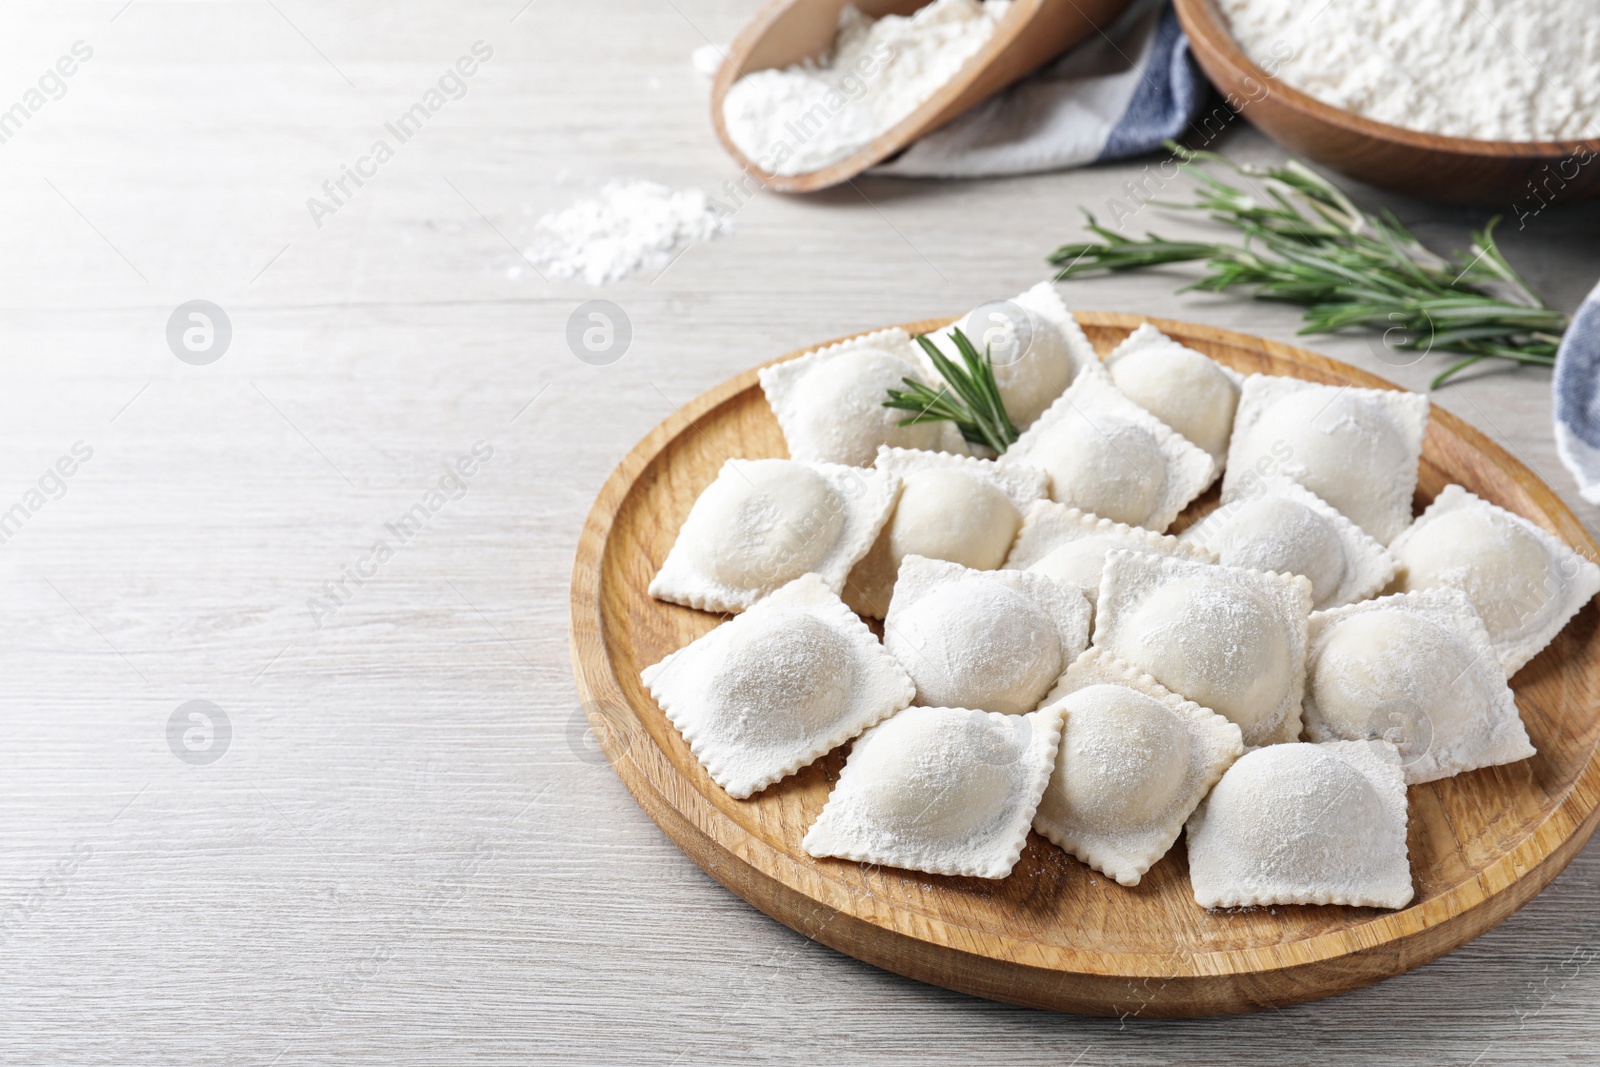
785 32
1056 934
1517 177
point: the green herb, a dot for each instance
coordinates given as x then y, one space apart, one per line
971 399
1305 242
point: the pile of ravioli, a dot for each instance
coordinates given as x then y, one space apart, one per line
1272 678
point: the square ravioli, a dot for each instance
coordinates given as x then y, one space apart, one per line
953 508
1357 449
1135 759
1417 670
829 402
765 522
1070 545
989 640
776 688
1035 344
1304 824
1229 639
941 790
1525 582
1189 391
1282 526
1107 455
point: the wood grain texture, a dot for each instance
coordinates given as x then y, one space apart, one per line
1055 934
413 852
1509 175
785 32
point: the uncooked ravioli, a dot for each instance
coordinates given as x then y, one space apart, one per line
1304 824
941 790
1188 391
1416 669
830 402
990 640
1357 449
765 522
1524 582
955 508
771 690
1107 455
1134 761
1230 639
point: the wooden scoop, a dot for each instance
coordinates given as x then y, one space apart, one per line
785 32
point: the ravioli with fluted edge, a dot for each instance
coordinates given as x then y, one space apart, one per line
990 640
1524 581
941 790
764 523
1415 669
1304 824
1135 759
1355 448
829 402
955 508
788 681
1107 455
1229 639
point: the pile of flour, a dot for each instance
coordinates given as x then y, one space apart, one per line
1503 70
802 118
630 226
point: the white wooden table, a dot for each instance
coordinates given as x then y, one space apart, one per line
409 850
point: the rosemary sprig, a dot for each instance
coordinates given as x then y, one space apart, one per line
1305 242
970 399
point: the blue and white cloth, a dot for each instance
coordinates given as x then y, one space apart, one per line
1576 392
1118 94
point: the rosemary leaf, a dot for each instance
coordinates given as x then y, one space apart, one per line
969 397
1303 241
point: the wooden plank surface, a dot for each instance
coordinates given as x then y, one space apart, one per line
410 851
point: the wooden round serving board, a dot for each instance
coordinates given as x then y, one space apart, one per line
1056 934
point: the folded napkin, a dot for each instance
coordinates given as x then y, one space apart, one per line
1576 391
1120 93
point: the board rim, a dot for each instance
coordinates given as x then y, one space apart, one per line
1096 982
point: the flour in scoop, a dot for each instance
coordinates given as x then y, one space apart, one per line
1499 70
630 226
799 119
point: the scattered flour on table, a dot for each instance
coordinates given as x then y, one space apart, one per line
1504 70
707 59
802 118
629 226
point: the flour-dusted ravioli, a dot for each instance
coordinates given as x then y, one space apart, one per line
830 402
990 640
1283 526
1357 449
1107 455
1229 639
1070 545
1034 360
1135 759
1417 670
1190 392
772 690
941 790
1304 824
1523 580
765 522
953 508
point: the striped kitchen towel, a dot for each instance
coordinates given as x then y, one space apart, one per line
1120 93
1576 389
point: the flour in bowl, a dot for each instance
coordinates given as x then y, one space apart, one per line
1498 70
799 119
